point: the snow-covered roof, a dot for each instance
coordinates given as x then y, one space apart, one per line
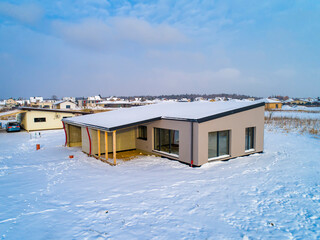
270 100
62 101
194 111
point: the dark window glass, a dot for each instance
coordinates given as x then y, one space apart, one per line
166 140
39 119
249 138
67 106
142 132
218 144
157 139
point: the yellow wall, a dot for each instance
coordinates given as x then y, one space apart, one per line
273 106
126 140
53 120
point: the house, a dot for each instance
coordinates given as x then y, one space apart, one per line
11 103
44 104
35 119
36 99
272 103
92 101
193 133
65 104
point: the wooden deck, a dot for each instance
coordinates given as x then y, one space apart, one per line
122 156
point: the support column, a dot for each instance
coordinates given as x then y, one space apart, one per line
99 149
106 144
114 148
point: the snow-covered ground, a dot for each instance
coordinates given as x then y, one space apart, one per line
46 195
293 114
303 108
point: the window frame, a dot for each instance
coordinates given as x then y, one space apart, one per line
144 130
40 120
157 137
218 145
250 148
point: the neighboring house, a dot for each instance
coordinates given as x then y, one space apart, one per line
23 102
192 133
299 102
43 104
34 119
272 104
92 101
123 103
36 99
66 104
11 102
72 99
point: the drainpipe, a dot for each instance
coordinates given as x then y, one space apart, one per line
191 164
65 132
89 140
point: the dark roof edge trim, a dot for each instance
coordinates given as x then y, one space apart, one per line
52 110
219 115
111 129
200 120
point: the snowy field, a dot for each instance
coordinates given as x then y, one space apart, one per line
46 195
292 114
300 112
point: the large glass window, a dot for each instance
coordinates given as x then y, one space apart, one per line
218 144
142 132
166 140
249 138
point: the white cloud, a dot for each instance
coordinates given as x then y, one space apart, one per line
25 13
117 32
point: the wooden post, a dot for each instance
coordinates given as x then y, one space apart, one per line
99 149
114 148
106 144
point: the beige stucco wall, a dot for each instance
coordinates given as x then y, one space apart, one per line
236 123
184 129
126 140
63 105
53 120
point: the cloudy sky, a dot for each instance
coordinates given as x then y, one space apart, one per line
119 47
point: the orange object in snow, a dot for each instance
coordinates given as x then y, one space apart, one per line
70 156
38 146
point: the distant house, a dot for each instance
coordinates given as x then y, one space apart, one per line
35 119
92 101
123 103
193 133
272 104
44 104
65 104
11 102
299 102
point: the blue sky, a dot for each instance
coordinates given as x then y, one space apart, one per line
82 47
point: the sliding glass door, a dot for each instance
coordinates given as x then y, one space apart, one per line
166 140
218 144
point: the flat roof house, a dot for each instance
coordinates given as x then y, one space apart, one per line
192 133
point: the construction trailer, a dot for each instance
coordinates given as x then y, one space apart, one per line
193 133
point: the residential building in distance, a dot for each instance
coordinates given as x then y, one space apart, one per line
65 104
